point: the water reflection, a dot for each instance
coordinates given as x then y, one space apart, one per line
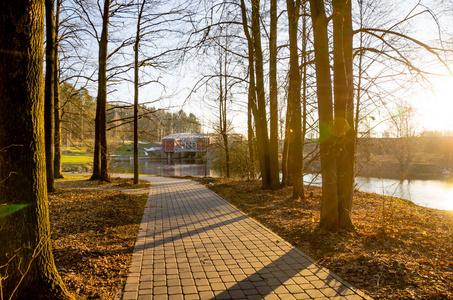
162 167
430 193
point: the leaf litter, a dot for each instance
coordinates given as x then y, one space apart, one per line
94 227
398 250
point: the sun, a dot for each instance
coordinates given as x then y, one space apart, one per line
436 108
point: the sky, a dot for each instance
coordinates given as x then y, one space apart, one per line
434 107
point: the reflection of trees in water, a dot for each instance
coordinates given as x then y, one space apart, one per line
177 167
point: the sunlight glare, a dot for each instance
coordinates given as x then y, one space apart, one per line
436 111
448 202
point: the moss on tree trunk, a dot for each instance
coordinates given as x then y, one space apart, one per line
27 266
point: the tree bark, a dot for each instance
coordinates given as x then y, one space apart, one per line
285 175
304 80
96 153
136 170
250 132
273 100
344 109
252 109
136 90
329 204
295 156
100 161
26 260
304 73
57 112
102 91
49 93
261 120
223 92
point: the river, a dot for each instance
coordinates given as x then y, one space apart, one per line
430 193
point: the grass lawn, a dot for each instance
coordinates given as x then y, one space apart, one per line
77 159
127 148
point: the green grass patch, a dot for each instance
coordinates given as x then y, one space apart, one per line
75 150
127 148
74 159
74 177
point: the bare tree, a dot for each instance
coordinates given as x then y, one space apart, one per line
273 99
329 204
136 87
294 110
251 99
49 93
106 10
404 129
57 112
344 109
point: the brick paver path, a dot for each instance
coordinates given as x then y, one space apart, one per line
194 245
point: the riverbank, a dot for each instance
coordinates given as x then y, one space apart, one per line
398 251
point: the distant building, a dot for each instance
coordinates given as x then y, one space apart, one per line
184 144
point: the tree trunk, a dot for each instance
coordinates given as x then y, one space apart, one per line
273 100
227 154
100 154
136 84
329 204
57 112
136 170
285 179
344 109
49 93
261 120
295 157
304 81
223 92
26 260
252 109
96 154
304 73
250 133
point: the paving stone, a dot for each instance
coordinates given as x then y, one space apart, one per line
145 285
218 286
206 295
173 282
287 296
329 292
251 292
294 288
314 293
160 290
144 292
131 287
130 295
194 245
